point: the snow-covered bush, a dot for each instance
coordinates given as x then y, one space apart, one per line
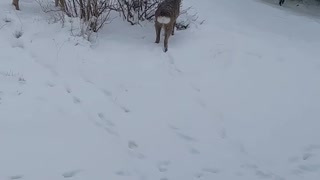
94 13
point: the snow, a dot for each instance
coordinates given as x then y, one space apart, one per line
237 97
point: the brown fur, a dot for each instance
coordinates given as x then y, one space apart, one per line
171 9
16 4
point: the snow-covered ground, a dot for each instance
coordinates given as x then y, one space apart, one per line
236 98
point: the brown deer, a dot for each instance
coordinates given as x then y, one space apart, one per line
16 3
165 17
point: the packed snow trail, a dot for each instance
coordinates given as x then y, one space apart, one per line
236 97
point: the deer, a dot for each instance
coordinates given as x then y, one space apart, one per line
165 17
16 3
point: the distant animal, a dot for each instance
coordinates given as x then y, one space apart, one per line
165 17
16 3
281 2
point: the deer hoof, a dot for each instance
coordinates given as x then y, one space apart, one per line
165 49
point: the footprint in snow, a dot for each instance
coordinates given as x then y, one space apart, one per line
163 166
132 145
262 174
68 90
211 170
125 109
76 100
307 156
50 84
193 150
186 137
123 173
16 177
205 171
106 124
199 175
70 174
106 92
103 118
136 155
173 127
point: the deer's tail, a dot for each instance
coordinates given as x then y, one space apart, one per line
163 20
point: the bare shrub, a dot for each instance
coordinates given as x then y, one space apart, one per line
93 13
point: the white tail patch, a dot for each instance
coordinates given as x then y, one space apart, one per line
163 19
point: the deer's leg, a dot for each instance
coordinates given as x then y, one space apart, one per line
281 2
56 3
158 32
168 31
173 26
16 4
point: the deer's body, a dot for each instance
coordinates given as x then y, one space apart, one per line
165 17
16 3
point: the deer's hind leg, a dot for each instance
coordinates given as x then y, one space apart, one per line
16 4
168 31
158 27
173 26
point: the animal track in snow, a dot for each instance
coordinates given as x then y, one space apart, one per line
308 161
132 145
125 109
76 100
163 166
307 156
70 174
193 150
50 84
211 170
15 177
103 118
68 90
106 92
137 155
123 173
109 95
173 127
106 124
186 137
205 171
260 173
